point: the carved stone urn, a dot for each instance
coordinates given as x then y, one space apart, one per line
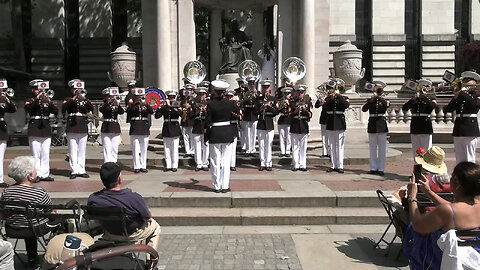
347 64
123 66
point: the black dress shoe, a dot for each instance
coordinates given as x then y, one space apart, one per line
174 170
268 169
197 169
47 179
225 190
73 176
233 168
144 170
331 170
205 169
84 175
340 171
373 172
303 169
217 191
294 169
38 179
136 171
261 168
166 169
381 173
4 185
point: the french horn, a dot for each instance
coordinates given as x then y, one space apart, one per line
294 69
194 72
249 68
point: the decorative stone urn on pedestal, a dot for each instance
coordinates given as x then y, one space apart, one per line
347 63
123 66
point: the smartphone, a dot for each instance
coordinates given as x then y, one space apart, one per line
417 172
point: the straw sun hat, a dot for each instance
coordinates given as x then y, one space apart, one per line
432 160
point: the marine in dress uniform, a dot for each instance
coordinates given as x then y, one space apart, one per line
421 129
139 112
110 130
6 106
335 105
300 113
239 91
250 105
199 125
284 121
220 112
39 109
377 128
265 129
237 115
187 118
323 122
466 104
76 109
130 95
171 112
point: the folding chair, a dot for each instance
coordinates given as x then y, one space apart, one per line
395 220
471 238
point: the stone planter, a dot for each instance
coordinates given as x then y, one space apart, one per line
123 66
347 64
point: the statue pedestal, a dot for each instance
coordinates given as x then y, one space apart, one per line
230 78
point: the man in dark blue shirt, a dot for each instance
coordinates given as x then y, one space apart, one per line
140 224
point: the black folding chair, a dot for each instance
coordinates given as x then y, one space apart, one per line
471 238
395 220
424 201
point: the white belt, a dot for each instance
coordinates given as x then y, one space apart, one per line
77 114
2 119
39 117
377 115
249 106
421 115
110 120
335 112
467 115
301 117
283 114
139 118
221 124
170 120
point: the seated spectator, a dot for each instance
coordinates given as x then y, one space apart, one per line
140 224
22 170
420 243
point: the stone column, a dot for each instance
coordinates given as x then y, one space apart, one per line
164 56
186 36
215 35
149 42
285 33
475 8
307 46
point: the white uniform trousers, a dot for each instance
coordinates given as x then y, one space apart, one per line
243 135
188 140
285 139
40 147
336 138
220 155
325 143
233 160
250 136
265 140
170 146
299 150
201 151
139 151
110 142
420 141
3 147
465 148
77 145
378 151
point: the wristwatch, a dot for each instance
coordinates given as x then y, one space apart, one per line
412 200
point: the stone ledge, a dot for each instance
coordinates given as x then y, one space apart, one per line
439 38
342 38
389 38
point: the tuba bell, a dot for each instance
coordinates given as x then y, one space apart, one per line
294 69
9 92
194 72
249 68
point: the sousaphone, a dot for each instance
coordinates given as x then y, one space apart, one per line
294 69
194 72
249 68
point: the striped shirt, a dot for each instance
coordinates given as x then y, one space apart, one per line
34 195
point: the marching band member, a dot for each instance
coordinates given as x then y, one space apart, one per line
110 127
200 111
130 95
187 119
301 114
377 128
284 121
171 132
138 112
6 106
220 136
250 118
323 122
39 131
76 109
237 115
266 113
466 104
421 129
335 106
239 91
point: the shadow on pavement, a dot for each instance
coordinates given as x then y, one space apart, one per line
191 185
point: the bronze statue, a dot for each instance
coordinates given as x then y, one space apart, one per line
235 48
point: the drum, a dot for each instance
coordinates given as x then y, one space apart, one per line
154 97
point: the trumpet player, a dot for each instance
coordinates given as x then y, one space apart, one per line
130 95
76 108
266 112
323 119
236 116
377 128
250 105
284 121
200 113
110 129
171 132
139 112
335 106
239 91
421 106
6 106
301 114
39 109
187 118
466 104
